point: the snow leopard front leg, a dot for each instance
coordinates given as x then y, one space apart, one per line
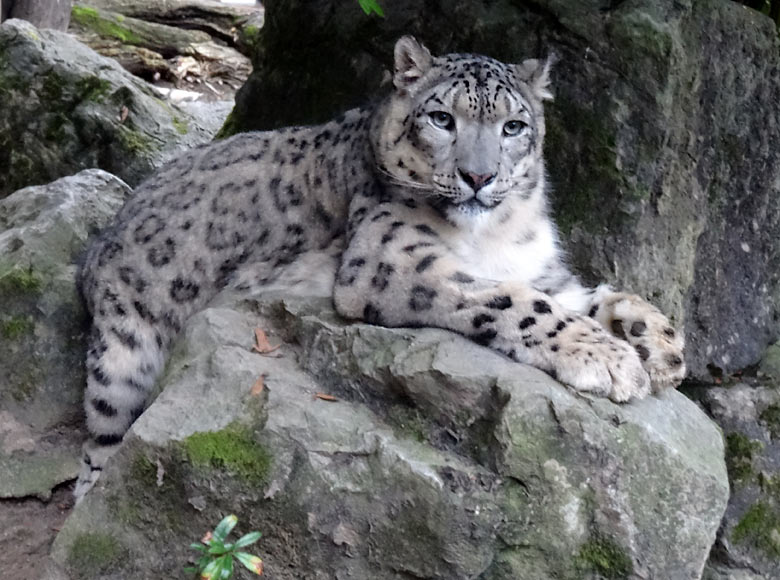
398 271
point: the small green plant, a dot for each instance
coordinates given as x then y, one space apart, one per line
371 6
216 557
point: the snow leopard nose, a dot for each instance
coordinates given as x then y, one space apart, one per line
476 181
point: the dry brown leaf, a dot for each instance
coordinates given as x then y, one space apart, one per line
258 387
123 113
325 397
261 342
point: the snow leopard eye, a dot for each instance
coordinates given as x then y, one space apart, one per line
443 120
512 128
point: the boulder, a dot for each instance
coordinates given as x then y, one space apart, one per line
749 538
42 327
662 146
367 452
64 108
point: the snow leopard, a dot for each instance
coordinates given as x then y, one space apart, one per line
436 201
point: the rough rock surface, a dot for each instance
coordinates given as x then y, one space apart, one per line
64 108
42 325
662 145
749 537
436 458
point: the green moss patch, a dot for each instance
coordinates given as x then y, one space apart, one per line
92 553
19 281
180 125
16 327
93 88
740 451
760 527
408 422
249 36
232 449
143 470
605 557
135 142
771 418
91 19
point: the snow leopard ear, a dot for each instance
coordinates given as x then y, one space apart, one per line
412 61
536 73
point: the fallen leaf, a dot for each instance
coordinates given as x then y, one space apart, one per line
123 113
325 397
207 538
258 387
262 345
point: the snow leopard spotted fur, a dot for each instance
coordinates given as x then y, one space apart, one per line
437 196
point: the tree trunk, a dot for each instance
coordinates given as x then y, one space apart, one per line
42 13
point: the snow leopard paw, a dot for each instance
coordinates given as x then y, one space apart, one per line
648 331
589 359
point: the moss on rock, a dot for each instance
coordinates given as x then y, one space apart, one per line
91 19
591 182
771 418
760 526
92 553
135 142
180 125
16 281
605 557
16 327
92 88
233 449
740 451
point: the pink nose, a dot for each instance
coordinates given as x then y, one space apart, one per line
476 181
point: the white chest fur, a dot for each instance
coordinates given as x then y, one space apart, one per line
518 250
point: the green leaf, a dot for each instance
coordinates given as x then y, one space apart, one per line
250 562
198 546
247 539
223 568
224 527
218 549
227 571
370 6
210 572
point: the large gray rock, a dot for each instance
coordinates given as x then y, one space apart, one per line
436 459
42 325
64 108
663 144
749 537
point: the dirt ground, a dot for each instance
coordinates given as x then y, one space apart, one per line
27 529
